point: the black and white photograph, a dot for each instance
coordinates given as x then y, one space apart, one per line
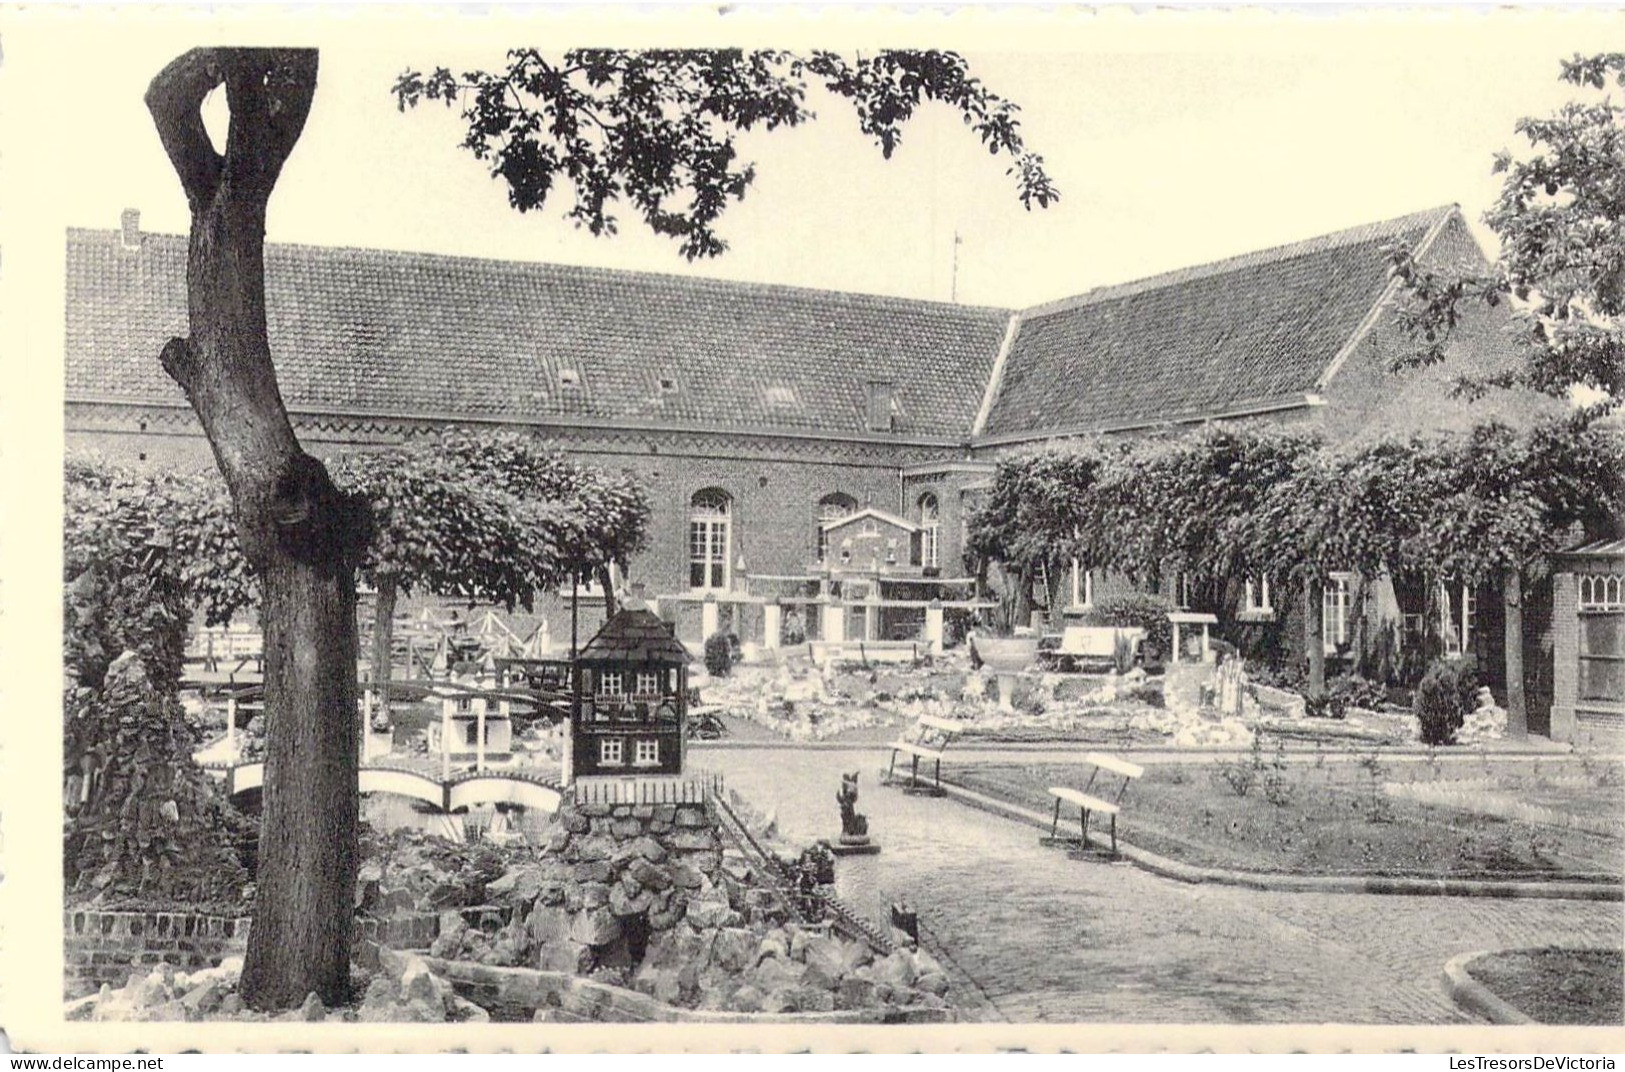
777 529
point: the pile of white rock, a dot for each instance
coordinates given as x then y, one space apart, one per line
1487 722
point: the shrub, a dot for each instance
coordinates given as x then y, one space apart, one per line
1147 694
1438 704
1147 611
1290 676
792 630
1356 691
719 653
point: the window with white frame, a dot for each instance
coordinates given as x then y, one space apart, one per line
648 683
610 683
1467 620
1258 596
1335 609
832 508
1600 591
611 751
646 753
710 536
930 529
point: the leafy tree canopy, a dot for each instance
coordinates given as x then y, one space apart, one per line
655 130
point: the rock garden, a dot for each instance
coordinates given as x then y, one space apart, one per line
625 911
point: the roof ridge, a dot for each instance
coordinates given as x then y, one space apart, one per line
716 283
1348 236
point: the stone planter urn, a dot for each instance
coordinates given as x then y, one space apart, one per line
1006 657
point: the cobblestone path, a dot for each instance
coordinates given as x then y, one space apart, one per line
1052 938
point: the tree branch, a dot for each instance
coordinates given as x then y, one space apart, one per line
175 99
270 91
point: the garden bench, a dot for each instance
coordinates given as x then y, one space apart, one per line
1093 645
1086 803
928 739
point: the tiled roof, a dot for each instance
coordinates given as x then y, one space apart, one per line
634 635
1198 341
409 334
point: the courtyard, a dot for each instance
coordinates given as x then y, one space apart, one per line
1039 935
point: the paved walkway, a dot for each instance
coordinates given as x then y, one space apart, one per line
1051 938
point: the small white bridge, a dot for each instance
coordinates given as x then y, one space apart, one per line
532 789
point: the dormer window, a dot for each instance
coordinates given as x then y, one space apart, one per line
779 396
883 407
668 385
569 377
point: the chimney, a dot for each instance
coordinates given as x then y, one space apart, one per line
882 406
130 228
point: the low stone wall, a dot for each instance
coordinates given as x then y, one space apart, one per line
563 997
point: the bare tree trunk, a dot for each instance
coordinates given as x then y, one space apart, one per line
1512 601
611 605
302 535
1314 633
383 639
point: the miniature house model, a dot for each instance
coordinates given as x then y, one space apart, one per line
630 700
475 725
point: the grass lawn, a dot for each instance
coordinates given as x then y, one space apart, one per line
1558 986
1335 820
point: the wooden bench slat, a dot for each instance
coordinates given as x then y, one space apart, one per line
1083 800
943 724
914 750
1115 765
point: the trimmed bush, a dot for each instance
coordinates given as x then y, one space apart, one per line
1438 704
719 653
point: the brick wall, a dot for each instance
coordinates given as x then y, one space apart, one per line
106 947
774 483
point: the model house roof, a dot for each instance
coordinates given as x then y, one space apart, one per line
374 333
369 332
634 635
872 514
1200 341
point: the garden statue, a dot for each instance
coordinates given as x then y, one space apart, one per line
853 825
854 837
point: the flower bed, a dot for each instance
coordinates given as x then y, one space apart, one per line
1557 986
1331 819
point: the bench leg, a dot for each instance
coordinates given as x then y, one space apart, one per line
938 775
892 767
1083 820
914 773
1055 820
1114 835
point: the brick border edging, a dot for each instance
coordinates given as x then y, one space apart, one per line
1182 872
1474 996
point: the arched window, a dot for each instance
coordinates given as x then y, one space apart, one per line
930 529
832 507
710 539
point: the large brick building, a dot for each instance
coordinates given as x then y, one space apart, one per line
754 414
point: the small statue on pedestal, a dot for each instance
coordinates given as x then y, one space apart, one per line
854 827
